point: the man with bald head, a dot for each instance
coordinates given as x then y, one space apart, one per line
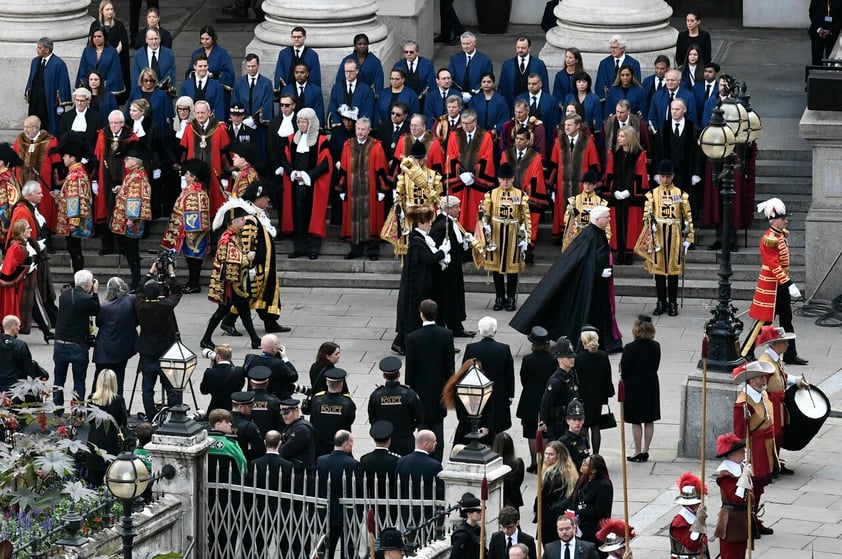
419 467
659 108
33 146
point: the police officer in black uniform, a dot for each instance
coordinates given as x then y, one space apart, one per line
266 408
298 441
562 387
247 433
378 466
465 536
397 404
575 439
331 411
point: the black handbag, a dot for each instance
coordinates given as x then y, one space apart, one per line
607 419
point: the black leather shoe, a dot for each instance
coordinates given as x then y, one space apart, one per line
510 304
313 256
795 361
274 327
374 257
715 246
533 469
763 530
230 329
255 344
692 246
498 304
464 334
456 351
660 308
735 247
672 310
351 255
191 289
295 254
207 344
48 336
398 349
784 471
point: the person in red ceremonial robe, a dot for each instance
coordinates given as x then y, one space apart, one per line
132 208
307 170
523 120
363 186
109 151
75 219
573 155
9 186
418 133
470 166
243 156
753 418
206 139
626 185
187 230
732 524
529 177
17 263
775 289
687 535
33 146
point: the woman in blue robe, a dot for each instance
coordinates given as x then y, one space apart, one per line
491 107
626 87
100 56
101 100
220 66
371 69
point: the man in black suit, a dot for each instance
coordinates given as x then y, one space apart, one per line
274 355
223 379
429 363
509 536
390 131
333 468
82 118
417 468
498 365
677 140
281 127
378 467
568 546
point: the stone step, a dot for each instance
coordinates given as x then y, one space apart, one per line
783 186
765 154
784 168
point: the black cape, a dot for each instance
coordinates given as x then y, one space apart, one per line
573 293
449 284
419 269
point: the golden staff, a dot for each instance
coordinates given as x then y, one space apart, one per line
701 527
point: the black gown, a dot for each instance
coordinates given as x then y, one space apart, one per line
419 268
449 284
573 293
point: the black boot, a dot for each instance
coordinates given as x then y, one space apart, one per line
511 303
672 309
660 308
498 304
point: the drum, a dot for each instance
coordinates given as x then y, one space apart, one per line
808 408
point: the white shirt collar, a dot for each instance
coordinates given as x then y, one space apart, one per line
731 467
753 394
773 354
687 515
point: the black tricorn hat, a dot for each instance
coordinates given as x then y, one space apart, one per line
8 155
198 169
73 145
257 189
137 150
419 150
244 150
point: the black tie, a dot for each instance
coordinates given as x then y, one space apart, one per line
251 92
677 133
572 144
707 91
40 71
301 92
660 83
444 97
567 551
466 80
616 66
201 85
534 106
154 64
470 138
519 157
349 97
672 98
508 544
452 123
522 66
412 67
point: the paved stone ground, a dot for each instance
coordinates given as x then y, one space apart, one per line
805 510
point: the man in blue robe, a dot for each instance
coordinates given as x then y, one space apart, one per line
48 86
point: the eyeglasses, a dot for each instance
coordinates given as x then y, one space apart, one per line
409 52
148 80
286 104
396 114
182 108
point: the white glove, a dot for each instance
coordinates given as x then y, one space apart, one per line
626 194
523 245
657 178
252 273
686 245
224 183
794 292
95 187
618 194
553 197
338 165
446 260
42 244
381 196
32 268
250 122
695 179
445 245
467 178
394 195
59 110
466 97
156 174
342 196
279 171
606 272
84 161
305 178
802 382
183 183
234 175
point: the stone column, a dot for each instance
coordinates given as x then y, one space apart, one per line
721 393
409 20
188 456
22 23
463 477
331 26
589 25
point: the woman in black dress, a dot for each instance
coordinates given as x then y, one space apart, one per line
535 370
107 421
693 35
559 480
504 446
639 372
595 385
326 358
593 497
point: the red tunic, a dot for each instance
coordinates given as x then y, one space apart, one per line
529 177
634 204
75 199
38 166
216 142
320 186
15 264
680 533
732 525
760 427
774 256
478 158
566 179
101 152
372 159
132 204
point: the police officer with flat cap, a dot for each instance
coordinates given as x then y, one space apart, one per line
391 544
378 466
562 387
298 440
247 433
575 439
266 408
465 538
331 411
397 404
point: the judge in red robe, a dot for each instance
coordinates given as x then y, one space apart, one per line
626 185
568 165
307 170
470 166
206 139
363 185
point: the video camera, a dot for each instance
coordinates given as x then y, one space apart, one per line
164 267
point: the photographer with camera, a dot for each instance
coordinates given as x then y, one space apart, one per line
15 358
155 309
222 379
74 335
274 355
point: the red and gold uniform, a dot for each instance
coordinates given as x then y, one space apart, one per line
37 166
9 196
476 158
753 416
507 212
187 230
109 151
774 255
416 186
529 177
435 153
567 168
245 177
209 146
682 542
732 523
75 212
230 269
363 170
132 207
626 171
577 216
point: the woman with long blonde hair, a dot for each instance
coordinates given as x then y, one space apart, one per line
560 477
106 428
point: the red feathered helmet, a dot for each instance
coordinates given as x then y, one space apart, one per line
728 443
690 489
612 532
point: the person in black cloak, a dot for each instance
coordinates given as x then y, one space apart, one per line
576 290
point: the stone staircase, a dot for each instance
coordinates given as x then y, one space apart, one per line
782 173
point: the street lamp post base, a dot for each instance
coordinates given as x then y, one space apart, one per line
179 424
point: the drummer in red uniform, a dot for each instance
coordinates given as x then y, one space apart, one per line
773 342
775 289
687 536
732 524
753 417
